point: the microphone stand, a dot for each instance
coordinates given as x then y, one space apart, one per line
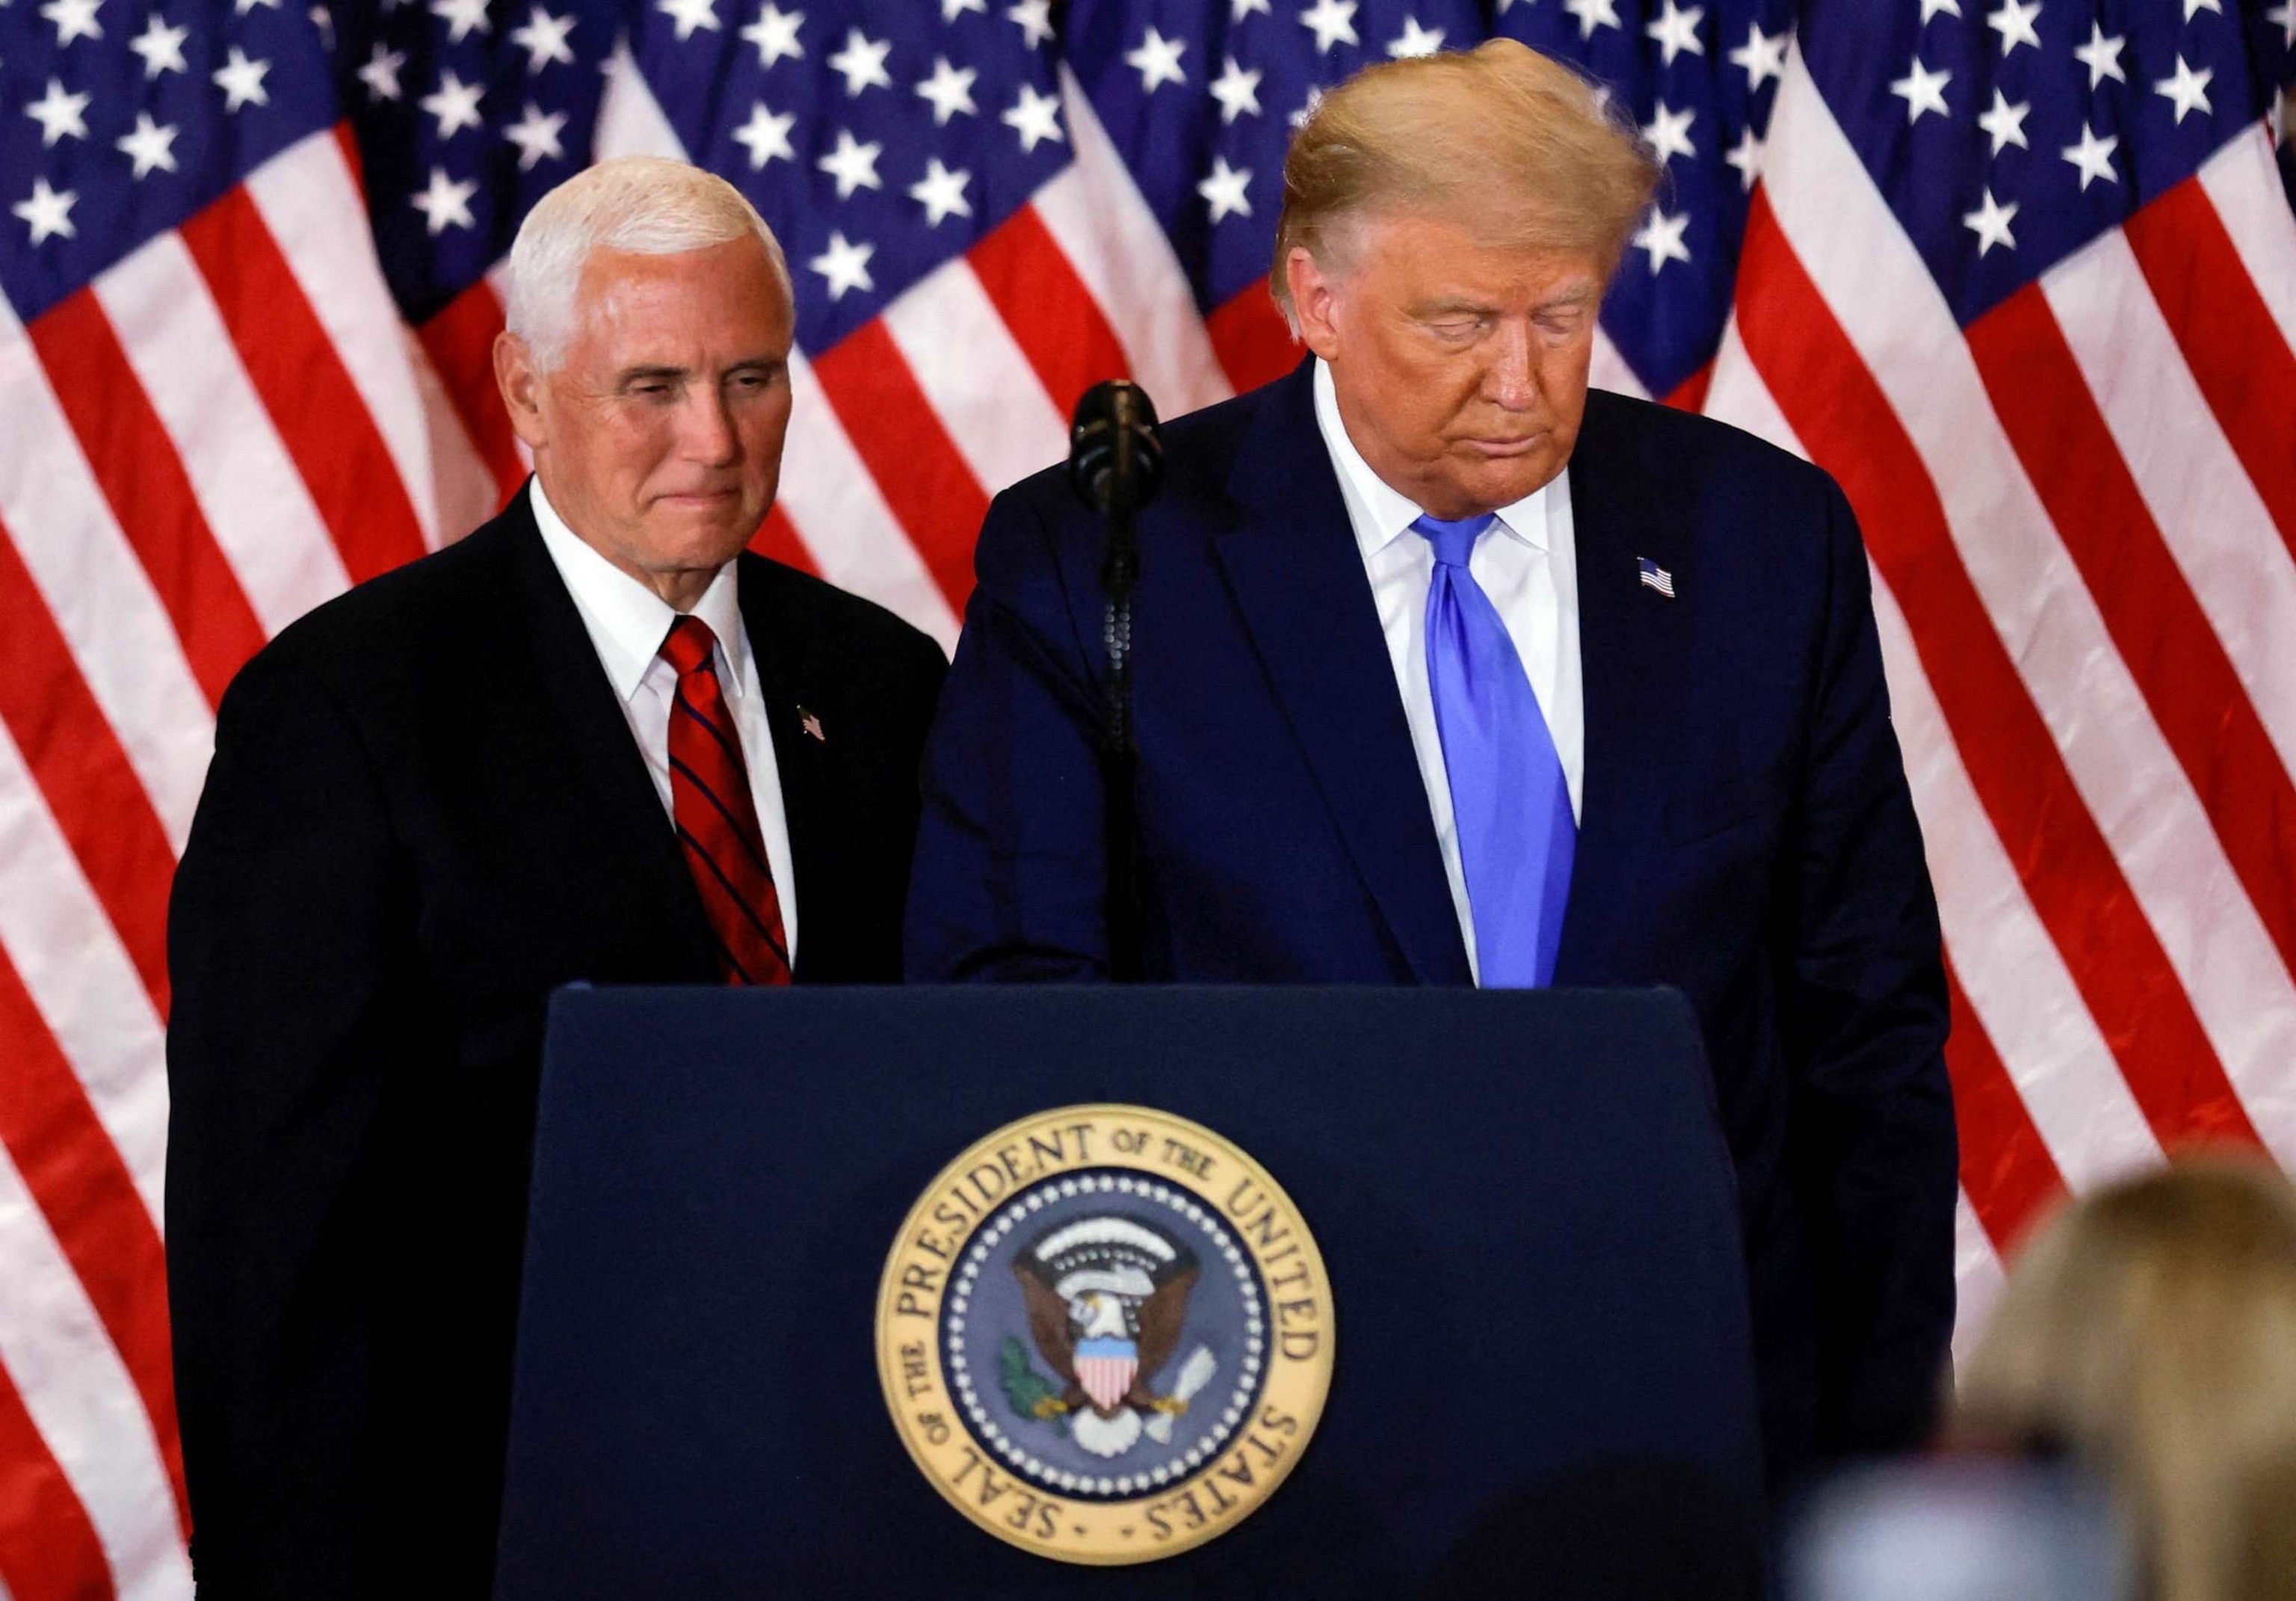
1115 466
1119 748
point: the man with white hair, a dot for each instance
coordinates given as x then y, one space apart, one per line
1450 672
595 741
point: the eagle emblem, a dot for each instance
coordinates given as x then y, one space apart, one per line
1078 1341
1106 1296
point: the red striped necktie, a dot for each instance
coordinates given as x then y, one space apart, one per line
716 821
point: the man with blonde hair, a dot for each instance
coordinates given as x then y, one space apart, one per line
1449 671
593 740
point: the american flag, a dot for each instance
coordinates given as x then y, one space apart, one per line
2021 274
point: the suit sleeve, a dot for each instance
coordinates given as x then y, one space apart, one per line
288 945
1874 1153
1009 882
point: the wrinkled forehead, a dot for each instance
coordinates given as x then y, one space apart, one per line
730 267
1414 257
622 295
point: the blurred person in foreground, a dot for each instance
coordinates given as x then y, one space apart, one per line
2149 1333
1960 1527
595 740
1452 671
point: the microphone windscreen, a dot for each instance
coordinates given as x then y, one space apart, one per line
1108 413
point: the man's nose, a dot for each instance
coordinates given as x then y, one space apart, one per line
706 428
1512 380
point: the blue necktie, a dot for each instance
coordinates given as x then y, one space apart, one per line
1509 799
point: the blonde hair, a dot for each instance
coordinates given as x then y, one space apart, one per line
643 204
1516 145
2150 1329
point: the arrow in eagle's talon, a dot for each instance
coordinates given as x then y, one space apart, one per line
1194 1375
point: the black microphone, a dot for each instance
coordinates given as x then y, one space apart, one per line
1116 466
1115 460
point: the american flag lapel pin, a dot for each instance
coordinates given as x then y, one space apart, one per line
1655 576
811 725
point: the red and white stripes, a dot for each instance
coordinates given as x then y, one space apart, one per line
222 431
2083 585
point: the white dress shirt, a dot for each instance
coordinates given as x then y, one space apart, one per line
628 623
1526 562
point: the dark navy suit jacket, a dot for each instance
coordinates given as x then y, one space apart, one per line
1746 831
426 812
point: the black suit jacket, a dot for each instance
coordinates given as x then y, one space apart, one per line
425 812
1747 836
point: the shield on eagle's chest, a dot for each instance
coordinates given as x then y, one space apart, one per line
1106 1367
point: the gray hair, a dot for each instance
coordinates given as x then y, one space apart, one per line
643 204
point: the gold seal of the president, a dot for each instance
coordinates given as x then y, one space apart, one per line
1104 1334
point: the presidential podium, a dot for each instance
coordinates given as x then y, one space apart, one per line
1541 1378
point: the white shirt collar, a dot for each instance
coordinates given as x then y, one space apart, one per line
628 621
1388 513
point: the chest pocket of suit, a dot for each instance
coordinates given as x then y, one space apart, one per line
1717 809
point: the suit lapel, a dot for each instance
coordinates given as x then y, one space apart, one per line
1297 577
591 728
1633 652
777 644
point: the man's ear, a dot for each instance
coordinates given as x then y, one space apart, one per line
1313 294
520 381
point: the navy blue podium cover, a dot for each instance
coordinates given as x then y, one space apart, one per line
1525 1207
